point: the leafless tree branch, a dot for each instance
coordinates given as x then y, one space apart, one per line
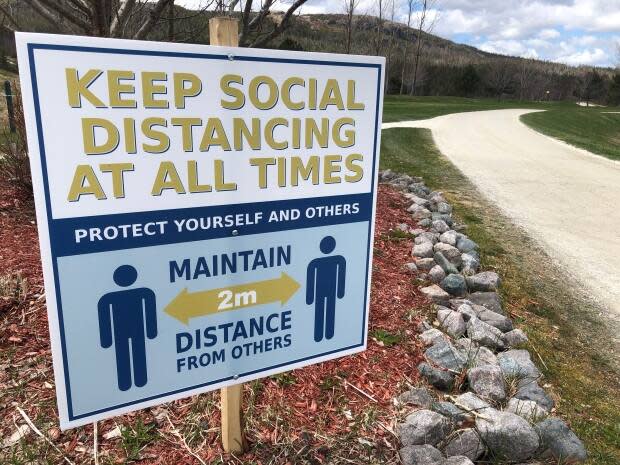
278 29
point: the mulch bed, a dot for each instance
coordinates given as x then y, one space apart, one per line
333 412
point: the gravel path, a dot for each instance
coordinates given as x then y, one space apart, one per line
567 198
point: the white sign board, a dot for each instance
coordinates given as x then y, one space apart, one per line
205 213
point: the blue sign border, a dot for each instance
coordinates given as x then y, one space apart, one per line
71 48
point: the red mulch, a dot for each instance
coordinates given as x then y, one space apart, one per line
309 408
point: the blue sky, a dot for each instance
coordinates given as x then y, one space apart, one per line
575 32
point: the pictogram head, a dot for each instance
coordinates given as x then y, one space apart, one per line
125 275
328 244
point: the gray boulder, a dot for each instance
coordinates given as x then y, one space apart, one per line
448 237
445 355
432 336
490 300
426 236
436 377
483 282
436 294
469 402
425 264
404 227
443 217
516 337
417 396
527 409
411 267
457 460
444 207
423 427
488 382
436 274
465 244
467 311
530 390
559 442
470 265
507 436
451 322
440 226
501 322
454 284
444 263
422 214
423 250
450 411
518 364
451 253
424 223
465 442
420 455
480 355
418 200
485 334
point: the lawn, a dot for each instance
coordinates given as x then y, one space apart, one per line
569 342
588 128
593 129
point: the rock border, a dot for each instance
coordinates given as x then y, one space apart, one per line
502 414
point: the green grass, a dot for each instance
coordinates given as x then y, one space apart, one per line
564 329
587 128
399 108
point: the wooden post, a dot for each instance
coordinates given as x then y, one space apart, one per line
225 31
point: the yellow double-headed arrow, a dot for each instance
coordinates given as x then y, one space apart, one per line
188 305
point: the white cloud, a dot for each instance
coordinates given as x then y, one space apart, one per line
584 57
549 33
571 31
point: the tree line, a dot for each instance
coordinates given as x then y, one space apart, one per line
417 62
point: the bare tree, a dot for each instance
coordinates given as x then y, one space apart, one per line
103 18
391 4
380 5
425 26
255 24
411 4
500 77
525 73
349 10
136 19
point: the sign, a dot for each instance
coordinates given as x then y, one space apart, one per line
205 213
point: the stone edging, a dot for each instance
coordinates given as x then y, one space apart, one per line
503 416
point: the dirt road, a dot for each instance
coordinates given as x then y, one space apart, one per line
567 198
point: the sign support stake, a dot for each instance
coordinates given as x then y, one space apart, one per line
225 31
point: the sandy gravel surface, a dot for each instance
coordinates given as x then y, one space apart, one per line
567 198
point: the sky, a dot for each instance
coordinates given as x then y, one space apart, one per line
575 32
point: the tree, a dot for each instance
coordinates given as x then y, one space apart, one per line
592 87
500 77
468 81
349 10
110 18
380 4
411 4
390 47
425 26
252 23
614 90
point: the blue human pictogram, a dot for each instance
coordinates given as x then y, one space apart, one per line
124 316
325 281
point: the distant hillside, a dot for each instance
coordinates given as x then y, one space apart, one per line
448 68
443 68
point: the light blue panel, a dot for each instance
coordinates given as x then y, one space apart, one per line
84 279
